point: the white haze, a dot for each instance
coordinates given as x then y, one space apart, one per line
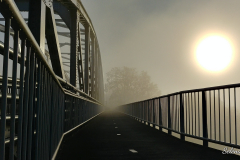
160 36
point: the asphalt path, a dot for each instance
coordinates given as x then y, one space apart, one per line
116 136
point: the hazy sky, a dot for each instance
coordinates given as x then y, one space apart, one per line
160 37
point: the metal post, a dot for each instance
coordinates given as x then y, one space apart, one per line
31 105
169 117
21 96
148 112
154 121
204 117
14 89
25 108
160 116
38 108
182 130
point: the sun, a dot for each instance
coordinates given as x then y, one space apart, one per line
214 53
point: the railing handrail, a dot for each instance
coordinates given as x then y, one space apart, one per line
79 91
192 90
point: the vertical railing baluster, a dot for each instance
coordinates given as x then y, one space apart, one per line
21 96
189 107
214 114
195 107
4 86
178 113
182 117
148 111
26 100
169 117
52 117
186 113
154 121
219 109
48 116
13 96
235 116
198 115
210 117
172 108
230 133
38 109
44 115
41 117
31 105
160 115
174 112
204 118
79 112
191 99
224 109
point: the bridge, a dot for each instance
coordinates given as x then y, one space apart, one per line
52 97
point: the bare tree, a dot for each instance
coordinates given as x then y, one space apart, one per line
125 85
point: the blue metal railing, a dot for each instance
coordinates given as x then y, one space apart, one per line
37 107
209 114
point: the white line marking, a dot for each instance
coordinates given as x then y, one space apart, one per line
116 127
119 134
133 151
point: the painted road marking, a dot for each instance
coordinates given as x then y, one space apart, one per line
116 127
133 151
119 134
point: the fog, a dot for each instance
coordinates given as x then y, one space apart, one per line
160 37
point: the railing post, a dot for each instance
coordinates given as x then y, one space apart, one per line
160 116
154 121
169 117
144 113
149 113
204 117
182 118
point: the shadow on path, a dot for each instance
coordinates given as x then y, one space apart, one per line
100 139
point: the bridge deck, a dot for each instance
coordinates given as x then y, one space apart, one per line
99 140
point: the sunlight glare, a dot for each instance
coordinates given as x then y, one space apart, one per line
214 53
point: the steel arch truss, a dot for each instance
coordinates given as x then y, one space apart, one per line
81 65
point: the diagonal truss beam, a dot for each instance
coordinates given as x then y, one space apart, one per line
87 51
80 62
53 44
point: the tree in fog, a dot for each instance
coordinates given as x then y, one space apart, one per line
125 85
